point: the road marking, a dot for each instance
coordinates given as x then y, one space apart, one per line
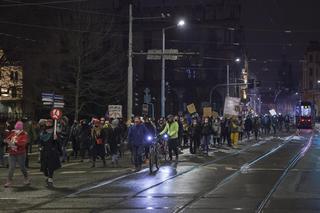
70 164
107 171
230 169
73 172
105 183
35 173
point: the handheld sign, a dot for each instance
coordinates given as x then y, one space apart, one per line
55 114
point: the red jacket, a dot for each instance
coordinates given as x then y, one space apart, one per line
20 139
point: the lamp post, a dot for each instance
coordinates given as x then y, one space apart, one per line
180 23
130 55
237 60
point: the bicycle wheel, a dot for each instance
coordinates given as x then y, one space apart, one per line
156 158
151 159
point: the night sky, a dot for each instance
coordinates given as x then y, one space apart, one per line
265 22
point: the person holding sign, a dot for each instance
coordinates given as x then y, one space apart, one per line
50 150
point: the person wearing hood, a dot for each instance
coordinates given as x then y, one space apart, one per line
50 151
114 140
17 143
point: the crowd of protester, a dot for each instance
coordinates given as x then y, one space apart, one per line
96 139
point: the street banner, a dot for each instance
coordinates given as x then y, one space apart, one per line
191 108
231 106
115 111
207 112
273 112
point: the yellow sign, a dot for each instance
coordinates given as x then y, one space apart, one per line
207 112
191 108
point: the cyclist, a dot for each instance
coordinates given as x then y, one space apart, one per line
172 129
136 140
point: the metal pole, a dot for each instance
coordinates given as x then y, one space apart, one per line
163 77
130 68
228 80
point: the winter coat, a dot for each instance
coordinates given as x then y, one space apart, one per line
114 139
137 135
206 129
84 136
172 129
17 142
50 151
195 131
151 129
216 129
235 126
248 124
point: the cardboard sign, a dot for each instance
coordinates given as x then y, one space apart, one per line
207 112
273 112
191 108
115 111
231 106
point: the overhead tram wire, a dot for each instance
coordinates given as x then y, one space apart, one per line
41 3
72 10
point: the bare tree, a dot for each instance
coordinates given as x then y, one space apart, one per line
92 63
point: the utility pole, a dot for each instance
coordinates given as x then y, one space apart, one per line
163 76
130 69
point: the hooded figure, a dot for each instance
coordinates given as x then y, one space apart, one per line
17 142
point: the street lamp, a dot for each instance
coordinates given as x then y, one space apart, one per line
237 60
180 23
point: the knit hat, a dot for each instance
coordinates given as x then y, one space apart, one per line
19 125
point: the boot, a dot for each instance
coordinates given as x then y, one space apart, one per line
104 162
8 184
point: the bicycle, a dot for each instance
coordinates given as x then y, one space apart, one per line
154 160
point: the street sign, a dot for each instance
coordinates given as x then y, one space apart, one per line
56 114
51 99
169 54
115 111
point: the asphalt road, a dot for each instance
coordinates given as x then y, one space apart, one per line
275 174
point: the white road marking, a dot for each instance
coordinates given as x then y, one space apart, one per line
73 172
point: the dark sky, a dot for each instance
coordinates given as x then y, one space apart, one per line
265 22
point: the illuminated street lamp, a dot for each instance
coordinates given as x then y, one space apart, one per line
180 23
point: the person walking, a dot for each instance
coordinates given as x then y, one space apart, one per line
216 132
172 129
248 127
17 143
98 146
205 133
74 131
63 136
84 138
256 125
136 139
234 131
50 150
114 140
195 136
